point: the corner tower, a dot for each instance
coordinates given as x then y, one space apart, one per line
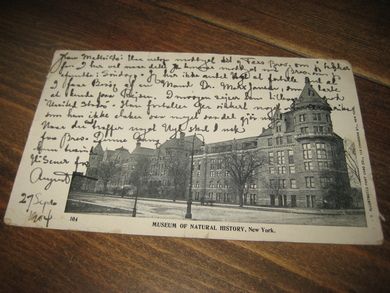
311 114
321 168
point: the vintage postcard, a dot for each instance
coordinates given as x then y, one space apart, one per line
198 145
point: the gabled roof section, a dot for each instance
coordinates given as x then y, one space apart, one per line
176 142
121 154
266 132
98 149
143 151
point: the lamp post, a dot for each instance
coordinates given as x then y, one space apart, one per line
189 201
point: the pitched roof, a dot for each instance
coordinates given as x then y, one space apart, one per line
309 96
98 149
175 142
142 151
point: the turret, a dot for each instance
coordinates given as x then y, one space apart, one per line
311 114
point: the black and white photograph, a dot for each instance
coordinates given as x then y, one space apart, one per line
295 171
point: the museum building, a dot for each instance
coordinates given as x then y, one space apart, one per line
304 160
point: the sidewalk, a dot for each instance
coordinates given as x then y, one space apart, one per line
247 207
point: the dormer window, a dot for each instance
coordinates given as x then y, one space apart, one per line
317 116
278 127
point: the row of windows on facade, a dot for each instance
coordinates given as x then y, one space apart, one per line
229 147
309 182
222 197
283 200
303 118
279 140
308 166
315 117
225 185
316 129
320 149
277 183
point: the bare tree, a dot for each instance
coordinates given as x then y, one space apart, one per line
337 194
274 185
243 166
140 174
178 168
352 163
106 172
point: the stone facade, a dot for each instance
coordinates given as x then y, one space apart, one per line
304 161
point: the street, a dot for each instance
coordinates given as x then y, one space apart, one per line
159 208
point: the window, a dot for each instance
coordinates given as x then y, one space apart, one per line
217 173
279 140
309 182
317 116
272 200
211 185
290 156
310 201
270 142
252 198
212 173
302 118
198 173
306 151
282 183
226 173
278 127
280 157
253 186
292 169
308 166
271 170
325 181
272 183
293 183
197 196
219 164
293 201
270 157
212 164
219 184
289 139
323 165
304 130
321 151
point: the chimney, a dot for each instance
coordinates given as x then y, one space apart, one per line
138 143
182 135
